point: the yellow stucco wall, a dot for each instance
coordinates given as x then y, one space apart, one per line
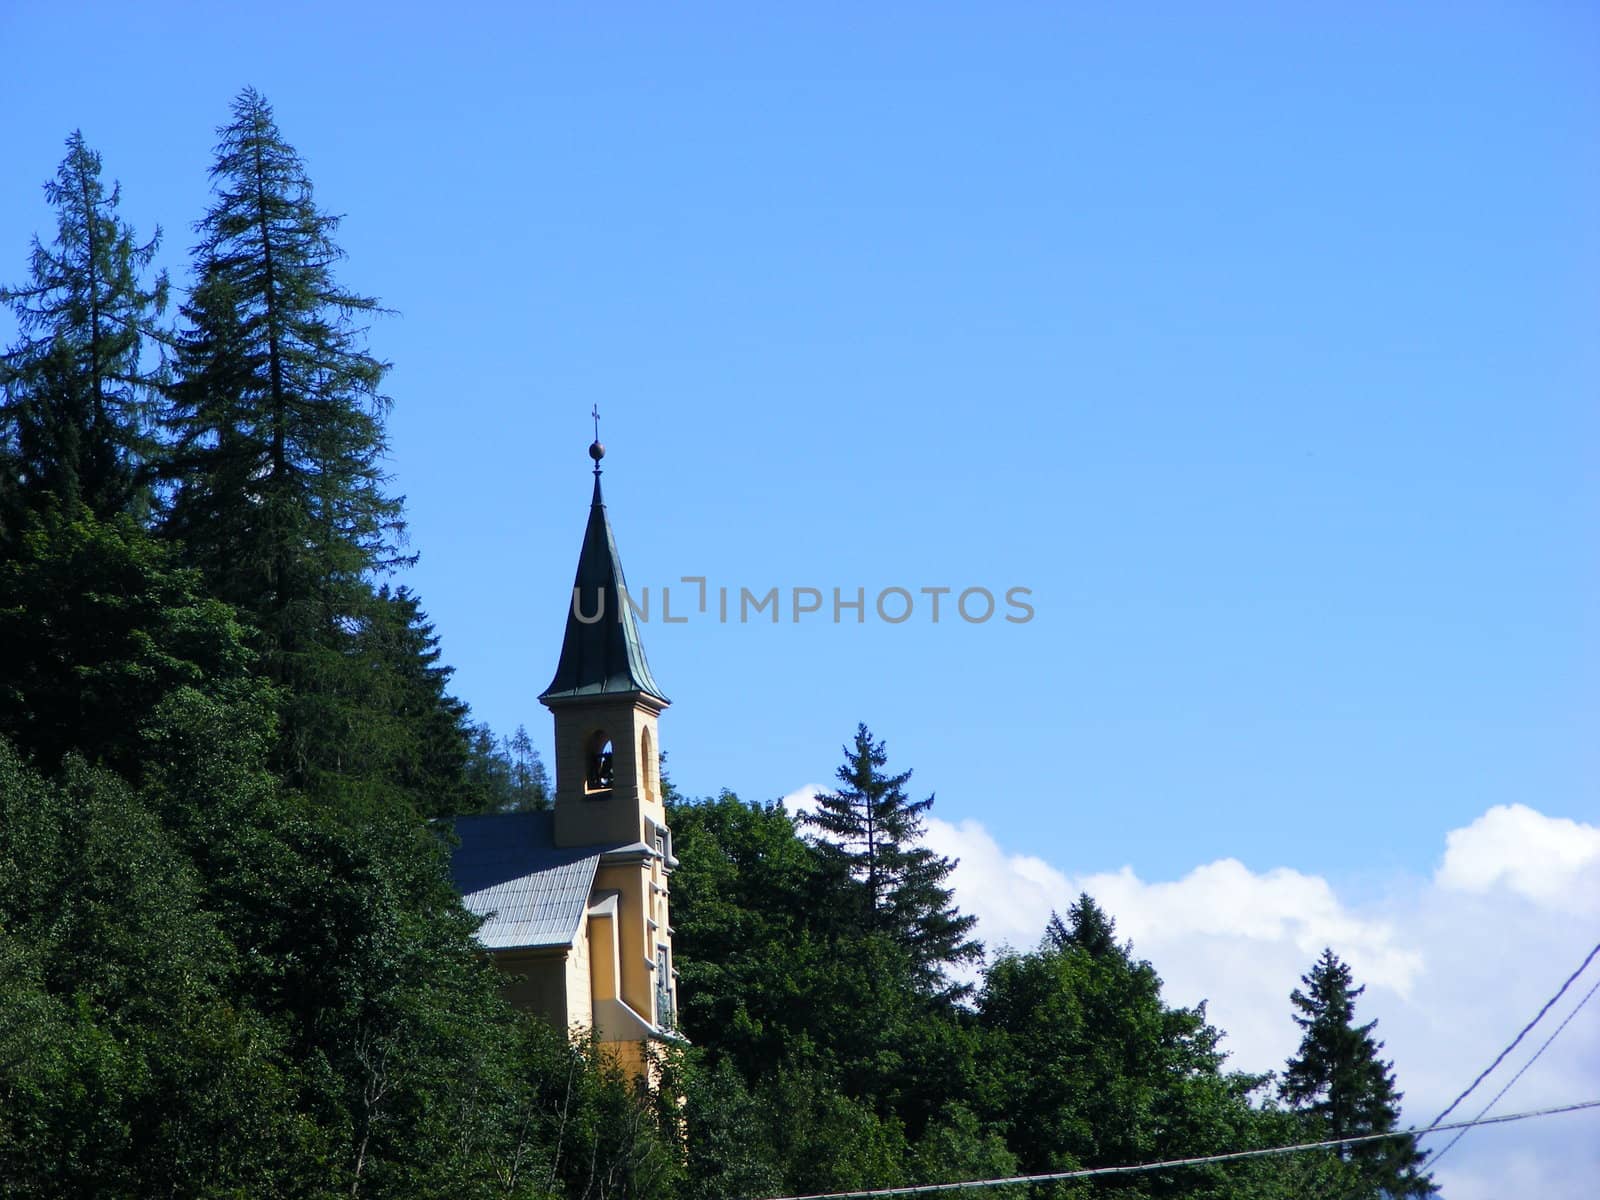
613 956
580 1014
537 981
604 960
630 882
588 818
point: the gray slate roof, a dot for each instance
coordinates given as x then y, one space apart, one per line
510 872
604 656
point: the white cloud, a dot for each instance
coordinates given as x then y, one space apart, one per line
1541 858
802 799
1454 966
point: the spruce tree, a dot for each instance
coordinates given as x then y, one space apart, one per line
1089 1065
1087 927
1338 1079
530 780
404 737
278 425
77 390
870 833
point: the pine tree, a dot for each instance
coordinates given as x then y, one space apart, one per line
488 772
530 780
278 424
870 833
503 774
1338 1079
1088 927
403 736
78 387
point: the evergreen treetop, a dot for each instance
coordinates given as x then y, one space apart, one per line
1088 927
277 420
77 390
278 412
870 834
1339 1080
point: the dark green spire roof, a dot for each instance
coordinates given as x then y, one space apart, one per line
601 657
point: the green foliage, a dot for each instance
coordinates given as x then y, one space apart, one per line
1087 927
803 1016
125 1069
790 1132
740 912
825 1140
276 421
277 408
1338 1078
504 774
78 393
1303 1175
231 960
385 731
1071 1058
210 987
1092 1068
213 982
278 442
820 1064
728 1136
100 627
869 836
529 781
959 1146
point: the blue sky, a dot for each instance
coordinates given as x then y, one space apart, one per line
1259 346
1259 343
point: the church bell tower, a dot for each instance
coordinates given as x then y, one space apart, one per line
605 701
606 704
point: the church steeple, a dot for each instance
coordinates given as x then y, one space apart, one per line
579 896
601 653
605 702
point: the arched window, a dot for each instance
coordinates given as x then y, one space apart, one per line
600 758
648 769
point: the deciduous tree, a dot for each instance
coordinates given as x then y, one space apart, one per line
1090 1067
100 625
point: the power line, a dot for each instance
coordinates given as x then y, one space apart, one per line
1232 1156
1463 1133
1499 1058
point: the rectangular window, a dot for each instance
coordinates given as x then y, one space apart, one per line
664 1013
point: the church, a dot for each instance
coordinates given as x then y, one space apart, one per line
574 900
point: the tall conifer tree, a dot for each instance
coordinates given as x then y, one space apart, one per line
278 423
871 831
77 390
1339 1080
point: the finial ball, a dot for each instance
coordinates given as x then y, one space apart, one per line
596 451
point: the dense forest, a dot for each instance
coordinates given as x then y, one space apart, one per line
231 960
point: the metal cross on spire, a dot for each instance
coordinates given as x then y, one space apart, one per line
596 450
